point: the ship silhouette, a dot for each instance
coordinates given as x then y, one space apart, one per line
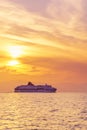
30 87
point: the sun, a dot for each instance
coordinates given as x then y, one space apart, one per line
13 63
15 51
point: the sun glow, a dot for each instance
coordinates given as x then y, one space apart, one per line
13 63
15 51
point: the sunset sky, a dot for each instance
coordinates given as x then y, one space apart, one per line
43 41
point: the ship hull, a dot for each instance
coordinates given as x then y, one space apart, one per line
32 91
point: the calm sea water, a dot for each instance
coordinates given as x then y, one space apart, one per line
43 111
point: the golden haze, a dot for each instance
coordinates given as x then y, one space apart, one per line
43 45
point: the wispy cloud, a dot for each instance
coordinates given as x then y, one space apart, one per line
70 15
21 24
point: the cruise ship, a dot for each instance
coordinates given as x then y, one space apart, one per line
30 87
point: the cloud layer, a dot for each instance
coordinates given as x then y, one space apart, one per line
53 35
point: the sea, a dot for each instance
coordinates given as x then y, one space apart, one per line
43 111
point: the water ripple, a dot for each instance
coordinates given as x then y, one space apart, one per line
40 111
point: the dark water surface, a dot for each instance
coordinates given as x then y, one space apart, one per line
43 111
